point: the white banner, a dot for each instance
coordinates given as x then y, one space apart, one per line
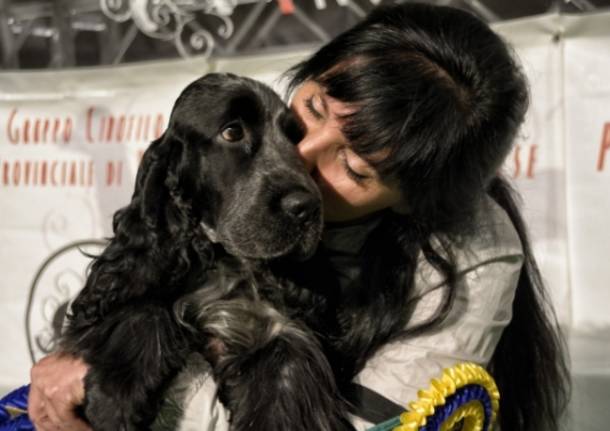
587 135
537 164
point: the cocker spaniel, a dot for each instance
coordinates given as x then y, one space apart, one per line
211 256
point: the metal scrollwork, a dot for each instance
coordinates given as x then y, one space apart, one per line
57 281
176 20
117 10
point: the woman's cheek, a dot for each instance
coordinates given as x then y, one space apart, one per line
341 189
343 198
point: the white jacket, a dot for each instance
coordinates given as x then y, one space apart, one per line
489 265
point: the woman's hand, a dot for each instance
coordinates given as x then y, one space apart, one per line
56 389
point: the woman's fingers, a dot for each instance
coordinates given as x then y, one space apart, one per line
46 425
63 417
35 403
36 410
56 390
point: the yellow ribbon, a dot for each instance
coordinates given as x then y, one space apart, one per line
452 379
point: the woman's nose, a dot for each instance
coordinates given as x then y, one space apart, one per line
310 150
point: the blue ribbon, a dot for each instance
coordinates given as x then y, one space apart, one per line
16 401
462 396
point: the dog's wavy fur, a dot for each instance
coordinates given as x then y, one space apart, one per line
194 265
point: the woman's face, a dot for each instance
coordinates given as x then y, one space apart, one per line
350 187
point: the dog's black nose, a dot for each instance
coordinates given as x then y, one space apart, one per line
299 205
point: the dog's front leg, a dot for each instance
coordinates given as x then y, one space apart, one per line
271 372
132 354
286 385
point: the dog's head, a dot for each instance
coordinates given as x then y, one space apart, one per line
228 160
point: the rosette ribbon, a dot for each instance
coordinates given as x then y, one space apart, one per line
465 394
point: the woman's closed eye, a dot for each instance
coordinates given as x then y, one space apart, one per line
312 109
358 177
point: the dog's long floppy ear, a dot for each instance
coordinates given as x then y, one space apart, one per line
129 266
149 193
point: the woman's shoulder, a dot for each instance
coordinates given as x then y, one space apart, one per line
492 238
494 234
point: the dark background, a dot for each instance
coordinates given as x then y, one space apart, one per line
73 33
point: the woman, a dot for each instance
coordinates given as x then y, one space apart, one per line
407 119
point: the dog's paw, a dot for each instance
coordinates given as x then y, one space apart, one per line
105 412
287 384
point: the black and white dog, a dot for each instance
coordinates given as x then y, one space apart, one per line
201 261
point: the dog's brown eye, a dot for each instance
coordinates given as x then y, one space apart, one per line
233 132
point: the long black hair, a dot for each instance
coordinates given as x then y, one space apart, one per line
441 94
